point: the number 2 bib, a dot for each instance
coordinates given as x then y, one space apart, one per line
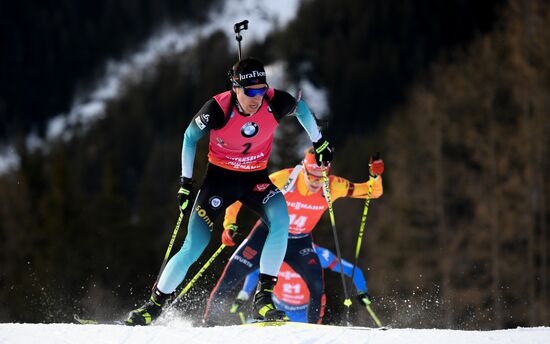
244 143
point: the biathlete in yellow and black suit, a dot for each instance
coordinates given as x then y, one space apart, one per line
304 196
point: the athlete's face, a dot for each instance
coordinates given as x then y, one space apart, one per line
250 104
314 180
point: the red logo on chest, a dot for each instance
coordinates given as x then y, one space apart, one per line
261 187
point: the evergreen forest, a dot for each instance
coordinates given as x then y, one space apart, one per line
454 94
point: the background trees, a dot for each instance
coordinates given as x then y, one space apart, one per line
455 97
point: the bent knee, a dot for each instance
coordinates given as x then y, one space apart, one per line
281 221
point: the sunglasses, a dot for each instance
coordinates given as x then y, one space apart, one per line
253 92
312 177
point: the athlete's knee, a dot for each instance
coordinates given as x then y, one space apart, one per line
277 212
198 237
280 223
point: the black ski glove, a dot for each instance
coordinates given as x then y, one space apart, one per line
364 298
323 152
185 194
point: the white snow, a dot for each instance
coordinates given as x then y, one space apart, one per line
181 332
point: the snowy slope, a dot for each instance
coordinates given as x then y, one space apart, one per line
183 333
264 16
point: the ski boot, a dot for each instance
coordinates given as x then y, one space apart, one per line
264 309
151 310
238 306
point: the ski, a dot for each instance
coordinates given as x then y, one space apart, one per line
82 321
256 323
268 323
262 323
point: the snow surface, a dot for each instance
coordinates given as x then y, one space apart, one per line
182 332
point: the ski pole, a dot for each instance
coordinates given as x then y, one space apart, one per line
364 218
198 275
238 27
360 238
362 226
358 247
374 317
347 301
169 249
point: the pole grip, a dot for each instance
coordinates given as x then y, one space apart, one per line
238 27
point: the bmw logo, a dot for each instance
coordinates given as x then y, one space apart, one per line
249 129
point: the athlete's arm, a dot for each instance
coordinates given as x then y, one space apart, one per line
361 190
373 187
358 277
285 105
210 116
280 178
329 261
231 214
307 120
341 187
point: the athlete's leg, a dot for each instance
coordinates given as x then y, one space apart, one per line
216 193
271 206
198 236
268 201
220 188
243 261
301 256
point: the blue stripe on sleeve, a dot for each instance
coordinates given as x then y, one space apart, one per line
327 257
306 119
